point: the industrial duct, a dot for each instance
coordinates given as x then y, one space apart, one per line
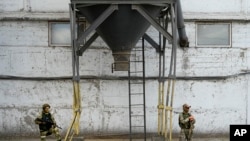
183 39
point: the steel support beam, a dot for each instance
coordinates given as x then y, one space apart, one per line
88 43
151 42
151 20
97 22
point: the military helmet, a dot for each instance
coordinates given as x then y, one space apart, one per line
45 105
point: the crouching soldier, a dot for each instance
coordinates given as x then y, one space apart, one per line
186 123
47 124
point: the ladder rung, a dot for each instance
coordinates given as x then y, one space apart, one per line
135 134
136 71
135 61
136 115
136 104
137 47
138 126
136 82
136 74
136 93
137 50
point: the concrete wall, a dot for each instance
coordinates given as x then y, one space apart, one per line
212 79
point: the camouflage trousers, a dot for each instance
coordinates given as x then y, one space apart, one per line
55 131
186 135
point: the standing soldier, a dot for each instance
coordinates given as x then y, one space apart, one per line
47 124
186 123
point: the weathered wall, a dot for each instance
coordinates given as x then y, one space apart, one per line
105 104
212 80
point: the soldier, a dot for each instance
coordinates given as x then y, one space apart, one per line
186 123
47 124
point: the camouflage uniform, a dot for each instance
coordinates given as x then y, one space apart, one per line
186 126
47 125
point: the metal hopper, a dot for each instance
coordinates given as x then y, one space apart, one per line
121 30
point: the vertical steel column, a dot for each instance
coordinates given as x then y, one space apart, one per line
161 81
74 126
144 91
129 93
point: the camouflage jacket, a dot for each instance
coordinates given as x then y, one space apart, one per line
47 118
184 122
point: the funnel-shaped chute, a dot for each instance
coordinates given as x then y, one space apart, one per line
121 30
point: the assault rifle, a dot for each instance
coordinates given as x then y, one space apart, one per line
49 123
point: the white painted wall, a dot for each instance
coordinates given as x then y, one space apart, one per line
214 9
24 51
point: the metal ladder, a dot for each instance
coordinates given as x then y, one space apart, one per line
136 84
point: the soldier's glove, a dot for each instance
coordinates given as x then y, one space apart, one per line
191 118
43 122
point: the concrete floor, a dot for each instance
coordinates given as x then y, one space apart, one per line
113 139
120 137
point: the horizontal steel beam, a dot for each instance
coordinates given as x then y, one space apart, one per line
122 1
222 78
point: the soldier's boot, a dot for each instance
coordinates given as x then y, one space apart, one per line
43 138
182 138
58 137
57 134
189 139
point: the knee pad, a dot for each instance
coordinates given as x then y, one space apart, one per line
49 133
43 137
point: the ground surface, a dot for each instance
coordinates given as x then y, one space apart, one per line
111 139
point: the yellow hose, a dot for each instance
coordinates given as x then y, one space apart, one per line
166 119
159 109
171 111
159 113
163 111
74 126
